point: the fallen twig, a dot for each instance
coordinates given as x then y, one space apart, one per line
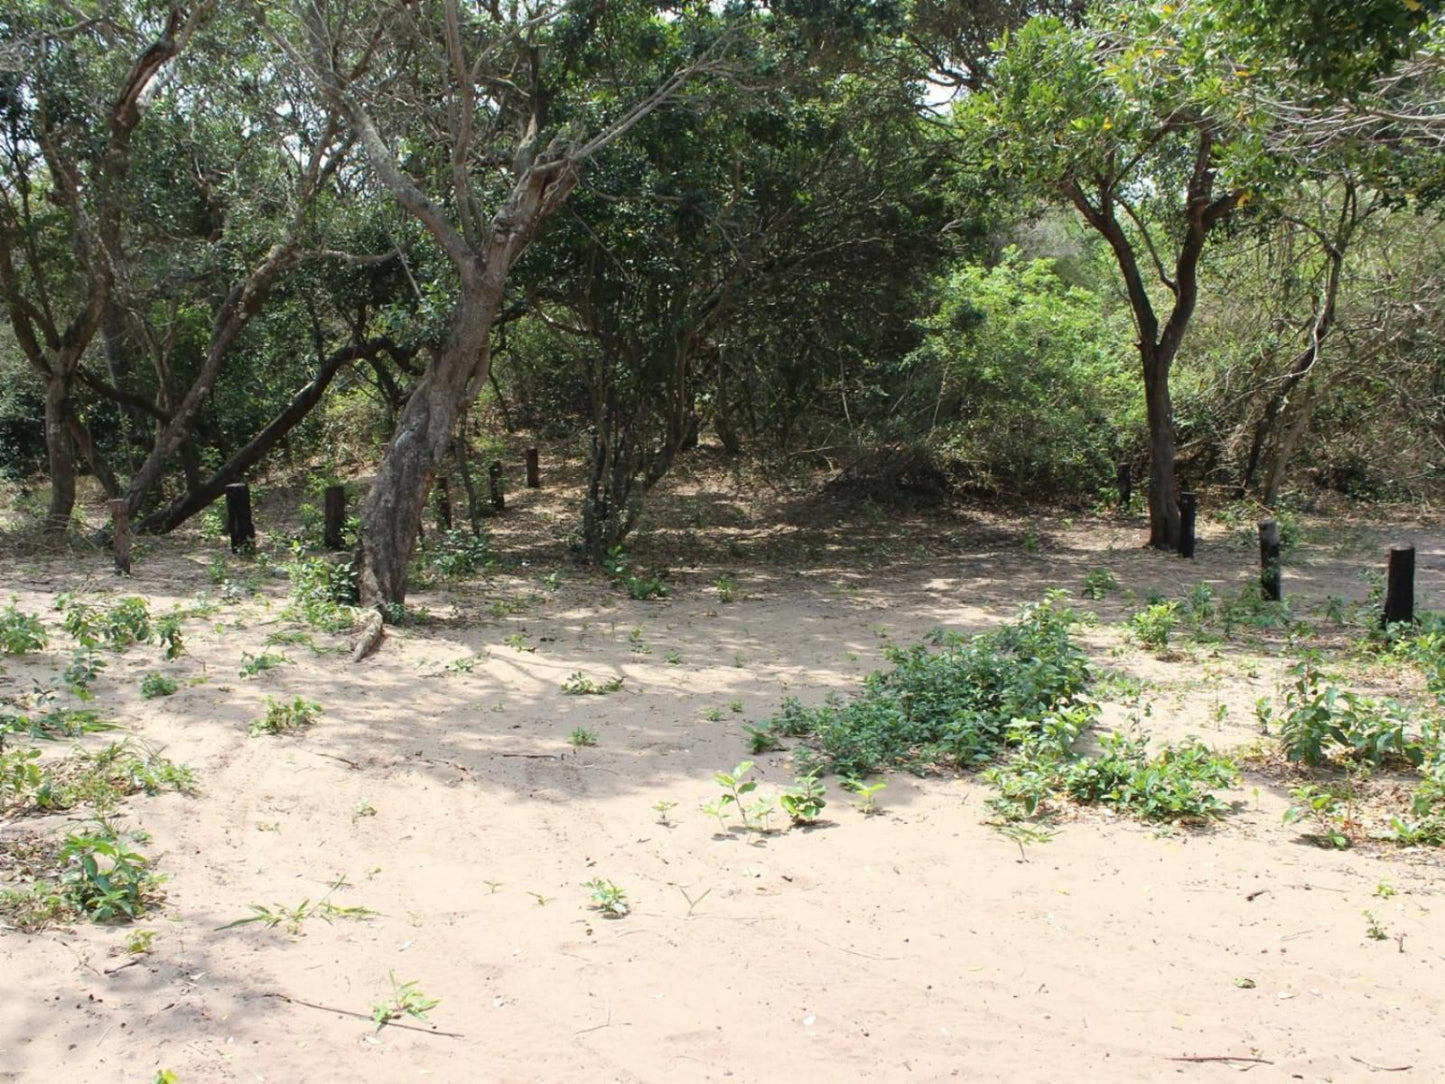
1226 1057
1382 1068
533 756
1256 894
364 1016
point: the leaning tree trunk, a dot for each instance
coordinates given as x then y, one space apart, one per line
392 513
1164 525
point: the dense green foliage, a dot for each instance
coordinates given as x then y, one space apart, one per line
955 703
795 250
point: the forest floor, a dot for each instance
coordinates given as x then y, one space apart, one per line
440 790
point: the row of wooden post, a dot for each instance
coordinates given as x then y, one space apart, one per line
1399 577
242 528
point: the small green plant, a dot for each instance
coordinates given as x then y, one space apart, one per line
712 715
608 898
457 554
1321 722
517 641
323 592
84 667
803 802
582 736
1153 625
663 809
253 665
139 942
154 685
726 588
21 633
406 999
737 789
168 630
579 684
104 877
672 658
284 718
1384 890
867 802
1098 582
295 918
735 706
638 644
542 900
1329 807
761 740
1373 930
644 588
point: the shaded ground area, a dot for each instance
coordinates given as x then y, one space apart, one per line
440 790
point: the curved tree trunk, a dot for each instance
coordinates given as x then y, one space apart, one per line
392 513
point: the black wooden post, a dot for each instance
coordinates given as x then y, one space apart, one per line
120 537
1270 572
1188 506
534 469
332 535
238 517
494 480
444 503
1400 586
1125 481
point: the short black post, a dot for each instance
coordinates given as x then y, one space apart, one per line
1124 479
1400 586
534 469
120 536
444 503
335 528
494 480
1270 572
238 517
1188 506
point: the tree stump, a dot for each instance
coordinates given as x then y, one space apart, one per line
1124 479
1188 506
333 534
1400 586
1270 573
494 481
238 517
120 537
534 469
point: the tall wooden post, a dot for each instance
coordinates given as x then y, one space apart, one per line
1400 586
333 534
238 517
444 503
120 537
494 480
1270 573
534 469
1188 506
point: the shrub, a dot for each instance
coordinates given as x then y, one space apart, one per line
953 703
21 633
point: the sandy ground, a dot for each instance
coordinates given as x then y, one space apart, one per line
919 944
